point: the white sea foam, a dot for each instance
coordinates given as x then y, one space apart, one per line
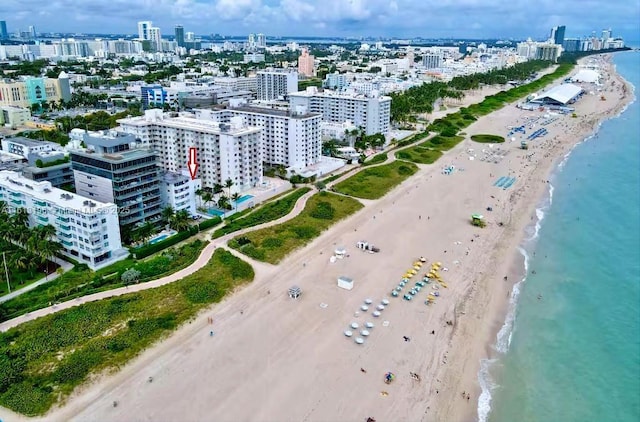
484 379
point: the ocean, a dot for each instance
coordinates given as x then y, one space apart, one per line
570 348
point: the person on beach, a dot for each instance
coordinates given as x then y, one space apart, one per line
406 338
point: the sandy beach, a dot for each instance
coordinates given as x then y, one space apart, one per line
273 358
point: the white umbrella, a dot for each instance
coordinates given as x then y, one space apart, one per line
364 307
359 340
354 325
348 333
376 314
385 302
364 333
368 301
369 325
381 307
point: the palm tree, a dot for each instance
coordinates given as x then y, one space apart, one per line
207 197
223 202
228 184
144 232
217 189
168 214
181 220
235 198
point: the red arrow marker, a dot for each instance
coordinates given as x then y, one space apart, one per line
193 164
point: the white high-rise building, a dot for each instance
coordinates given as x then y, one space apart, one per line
143 30
88 230
372 113
223 150
291 139
251 42
261 41
155 36
275 83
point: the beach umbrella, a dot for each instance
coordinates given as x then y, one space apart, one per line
394 293
439 264
398 288
423 259
385 302
359 340
413 292
354 325
368 301
376 314
416 267
407 297
403 283
364 333
348 333
369 325
380 307
417 288
414 272
405 279
364 308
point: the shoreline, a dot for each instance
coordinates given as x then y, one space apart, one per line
519 268
307 359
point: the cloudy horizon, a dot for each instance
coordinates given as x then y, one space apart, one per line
342 18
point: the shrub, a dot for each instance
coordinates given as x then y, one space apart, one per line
488 139
130 276
323 210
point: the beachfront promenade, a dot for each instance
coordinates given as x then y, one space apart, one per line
262 269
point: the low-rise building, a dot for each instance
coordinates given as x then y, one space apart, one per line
179 191
24 146
87 229
14 116
31 91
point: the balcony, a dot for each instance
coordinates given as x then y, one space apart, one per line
43 219
67 243
64 228
63 219
40 203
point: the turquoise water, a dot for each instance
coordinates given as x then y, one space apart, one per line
158 239
215 212
574 354
243 199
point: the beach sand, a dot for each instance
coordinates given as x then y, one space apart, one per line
277 359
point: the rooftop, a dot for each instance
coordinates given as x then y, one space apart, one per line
130 154
44 191
190 123
29 142
273 112
562 93
108 139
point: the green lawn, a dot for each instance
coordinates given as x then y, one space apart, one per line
81 281
268 212
429 151
44 360
487 139
273 243
375 182
376 159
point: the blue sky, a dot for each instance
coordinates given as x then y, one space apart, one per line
400 18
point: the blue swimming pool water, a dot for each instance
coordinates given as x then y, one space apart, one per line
158 239
215 212
243 199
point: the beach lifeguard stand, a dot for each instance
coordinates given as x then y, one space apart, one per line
295 292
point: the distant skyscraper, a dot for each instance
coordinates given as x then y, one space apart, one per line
179 31
251 42
606 34
155 36
143 30
262 41
32 32
557 34
305 63
3 30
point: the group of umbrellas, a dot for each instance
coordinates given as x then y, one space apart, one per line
368 325
430 276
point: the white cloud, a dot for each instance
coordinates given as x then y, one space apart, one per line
457 18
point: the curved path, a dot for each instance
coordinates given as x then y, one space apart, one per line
201 261
262 268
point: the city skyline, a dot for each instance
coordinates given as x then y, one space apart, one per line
352 18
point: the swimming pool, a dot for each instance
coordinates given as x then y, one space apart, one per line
215 212
161 236
243 198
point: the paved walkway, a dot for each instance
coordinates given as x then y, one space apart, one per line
201 261
66 266
261 268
